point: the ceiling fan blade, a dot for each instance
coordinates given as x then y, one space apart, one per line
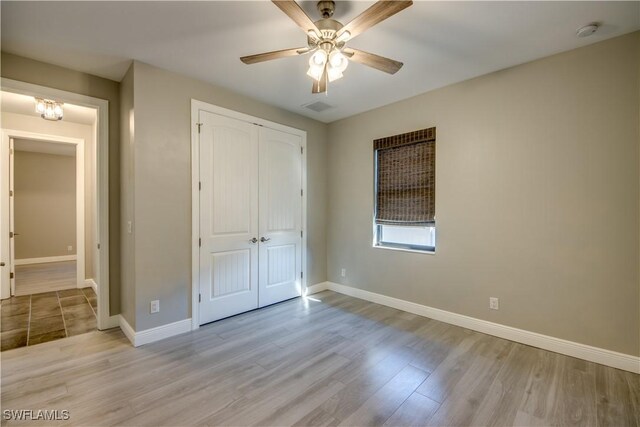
372 60
372 16
320 86
276 54
295 12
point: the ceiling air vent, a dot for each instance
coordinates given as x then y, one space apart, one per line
318 106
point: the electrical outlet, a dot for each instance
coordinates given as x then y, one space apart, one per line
154 306
129 227
343 272
494 303
69 248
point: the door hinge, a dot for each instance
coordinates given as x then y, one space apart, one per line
10 193
11 275
300 233
200 185
199 297
11 234
301 193
199 125
301 274
301 150
199 241
98 245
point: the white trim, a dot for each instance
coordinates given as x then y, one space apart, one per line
111 322
195 217
43 260
79 165
5 226
318 287
127 329
415 251
196 107
91 283
105 320
614 359
154 334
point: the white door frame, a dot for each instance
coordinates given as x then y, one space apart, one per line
8 134
105 319
196 107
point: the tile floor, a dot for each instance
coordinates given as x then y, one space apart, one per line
33 319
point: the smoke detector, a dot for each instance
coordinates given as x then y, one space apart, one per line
587 30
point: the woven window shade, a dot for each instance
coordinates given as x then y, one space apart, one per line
406 178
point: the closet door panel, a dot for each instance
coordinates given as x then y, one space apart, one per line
280 216
228 217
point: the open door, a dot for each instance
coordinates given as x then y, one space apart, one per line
5 258
12 234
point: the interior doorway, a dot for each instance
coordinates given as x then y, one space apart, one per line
68 279
48 205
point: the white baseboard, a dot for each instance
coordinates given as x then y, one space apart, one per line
91 283
154 334
25 261
318 287
614 359
127 330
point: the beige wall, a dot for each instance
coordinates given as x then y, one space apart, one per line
44 204
35 124
40 73
162 205
536 200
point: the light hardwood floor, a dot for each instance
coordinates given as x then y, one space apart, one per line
329 360
45 277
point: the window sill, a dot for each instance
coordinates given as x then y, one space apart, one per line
415 251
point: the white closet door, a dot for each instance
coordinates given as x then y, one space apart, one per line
228 217
280 216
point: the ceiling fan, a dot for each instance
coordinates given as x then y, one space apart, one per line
326 39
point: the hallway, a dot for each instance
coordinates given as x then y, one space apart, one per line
45 277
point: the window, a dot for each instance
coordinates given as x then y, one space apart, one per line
405 191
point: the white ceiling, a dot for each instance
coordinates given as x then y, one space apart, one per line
47 147
23 104
440 43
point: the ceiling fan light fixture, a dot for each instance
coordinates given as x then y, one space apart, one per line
338 61
318 59
315 72
334 74
326 39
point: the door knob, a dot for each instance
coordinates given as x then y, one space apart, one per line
254 240
264 239
1 264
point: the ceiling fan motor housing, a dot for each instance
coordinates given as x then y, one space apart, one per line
326 8
328 28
